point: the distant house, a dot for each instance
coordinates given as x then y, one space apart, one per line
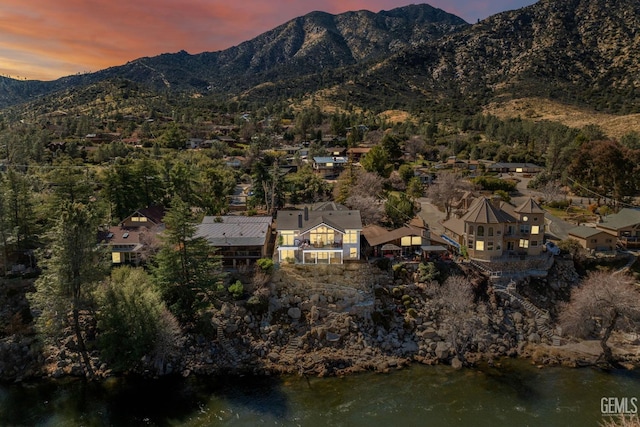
128 241
593 239
624 225
514 168
241 240
357 153
328 234
329 167
491 229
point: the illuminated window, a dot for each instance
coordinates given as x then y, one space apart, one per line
535 229
479 245
287 238
351 236
524 243
322 235
116 257
353 253
287 255
405 241
416 240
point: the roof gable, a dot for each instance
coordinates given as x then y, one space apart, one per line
529 206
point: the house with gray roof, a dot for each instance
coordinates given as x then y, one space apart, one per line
328 234
329 167
592 238
491 230
241 240
624 225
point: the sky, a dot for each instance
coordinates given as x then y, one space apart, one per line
48 39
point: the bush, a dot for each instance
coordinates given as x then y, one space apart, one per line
266 265
490 183
236 289
559 204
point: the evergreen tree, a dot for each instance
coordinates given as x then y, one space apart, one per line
186 268
69 275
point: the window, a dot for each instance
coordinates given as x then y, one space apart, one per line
525 228
116 257
287 238
139 219
322 236
471 229
490 231
470 244
405 241
480 231
353 253
479 245
350 236
490 245
534 243
524 243
287 255
416 240
535 229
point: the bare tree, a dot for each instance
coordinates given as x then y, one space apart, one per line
458 310
552 191
603 303
447 188
416 145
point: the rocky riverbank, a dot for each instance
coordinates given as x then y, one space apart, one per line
338 320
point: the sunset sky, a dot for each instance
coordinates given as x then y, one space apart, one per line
45 39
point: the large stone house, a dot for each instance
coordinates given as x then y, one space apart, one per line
493 230
326 234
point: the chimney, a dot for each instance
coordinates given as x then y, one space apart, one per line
306 213
299 220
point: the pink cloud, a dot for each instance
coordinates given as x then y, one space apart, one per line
46 39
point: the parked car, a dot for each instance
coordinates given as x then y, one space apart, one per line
552 247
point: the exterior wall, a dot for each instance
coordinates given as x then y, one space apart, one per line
314 246
484 241
598 242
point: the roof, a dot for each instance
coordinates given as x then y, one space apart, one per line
234 230
377 235
514 165
303 220
529 207
154 214
482 211
454 224
625 218
334 159
123 236
584 232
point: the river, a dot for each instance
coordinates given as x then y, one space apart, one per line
515 394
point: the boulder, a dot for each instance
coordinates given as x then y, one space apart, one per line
294 313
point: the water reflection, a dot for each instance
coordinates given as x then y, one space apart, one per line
513 394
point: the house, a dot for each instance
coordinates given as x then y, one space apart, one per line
329 167
128 241
514 168
490 230
238 200
410 241
624 225
357 153
592 239
241 240
328 234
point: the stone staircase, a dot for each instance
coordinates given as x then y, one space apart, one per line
293 347
542 317
226 345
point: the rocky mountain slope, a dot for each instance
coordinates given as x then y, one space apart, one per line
579 52
305 45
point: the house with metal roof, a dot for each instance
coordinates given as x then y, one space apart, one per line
624 225
241 240
491 230
329 234
329 167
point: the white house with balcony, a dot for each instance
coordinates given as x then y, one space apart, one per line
325 234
